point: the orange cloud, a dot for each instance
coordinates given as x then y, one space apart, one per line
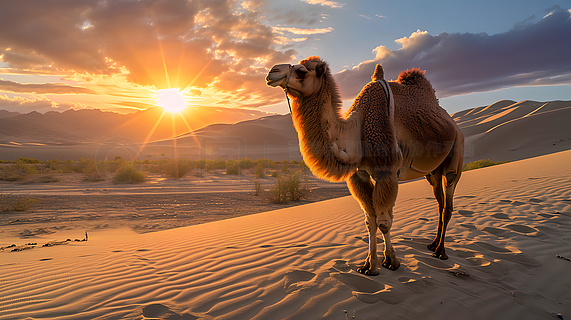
304 31
44 88
178 43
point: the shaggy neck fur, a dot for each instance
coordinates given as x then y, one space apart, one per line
314 117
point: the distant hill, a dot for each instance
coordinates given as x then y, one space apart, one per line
95 125
505 130
8 114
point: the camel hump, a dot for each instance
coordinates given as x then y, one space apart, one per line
411 76
379 73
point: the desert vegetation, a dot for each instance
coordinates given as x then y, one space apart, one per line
481 164
288 188
282 179
120 170
10 203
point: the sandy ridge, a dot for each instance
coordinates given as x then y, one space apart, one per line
509 224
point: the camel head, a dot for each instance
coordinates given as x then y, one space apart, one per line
301 80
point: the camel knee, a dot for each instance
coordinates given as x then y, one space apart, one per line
384 222
450 178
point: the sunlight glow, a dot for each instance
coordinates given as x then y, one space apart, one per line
171 100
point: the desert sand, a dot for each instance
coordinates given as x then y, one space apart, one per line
510 223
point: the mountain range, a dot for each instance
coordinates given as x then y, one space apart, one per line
505 130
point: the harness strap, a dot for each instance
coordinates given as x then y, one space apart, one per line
286 87
390 97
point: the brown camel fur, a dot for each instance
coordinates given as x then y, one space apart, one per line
394 131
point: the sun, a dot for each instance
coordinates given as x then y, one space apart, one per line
171 100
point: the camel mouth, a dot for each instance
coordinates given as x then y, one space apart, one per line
273 81
278 75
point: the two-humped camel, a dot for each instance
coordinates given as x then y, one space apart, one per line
394 131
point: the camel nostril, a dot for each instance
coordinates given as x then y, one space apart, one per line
275 70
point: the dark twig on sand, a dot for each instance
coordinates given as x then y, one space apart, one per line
459 274
562 257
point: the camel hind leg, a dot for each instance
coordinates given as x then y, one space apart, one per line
444 180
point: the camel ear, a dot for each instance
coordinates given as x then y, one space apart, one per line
320 69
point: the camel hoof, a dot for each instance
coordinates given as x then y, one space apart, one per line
367 272
440 255
391 265
431 247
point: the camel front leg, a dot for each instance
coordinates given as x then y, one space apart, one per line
384 197
361 187
391 261
369 267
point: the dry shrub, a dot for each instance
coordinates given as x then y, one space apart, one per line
288 189
11 203
177 168
260 171
481 164
257 187
127 173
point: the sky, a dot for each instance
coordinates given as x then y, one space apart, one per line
117 55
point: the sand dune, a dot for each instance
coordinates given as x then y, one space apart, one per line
508 130
509 224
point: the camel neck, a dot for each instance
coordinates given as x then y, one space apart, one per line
313 117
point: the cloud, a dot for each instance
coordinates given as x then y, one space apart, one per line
174 43
44 88
24 105
295 30
297 17
530 54
327 3
377 16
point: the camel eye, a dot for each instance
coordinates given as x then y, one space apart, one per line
301 73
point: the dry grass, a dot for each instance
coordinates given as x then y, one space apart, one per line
10 203
481 164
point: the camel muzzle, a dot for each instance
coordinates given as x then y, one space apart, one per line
278 75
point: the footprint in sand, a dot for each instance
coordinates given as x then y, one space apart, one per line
521 228
342 265
470 226
433 263
508 255
501 215
416 243
534 200
466 213
417 286
157 310
487 266
495 231
368 290
296 279
491 247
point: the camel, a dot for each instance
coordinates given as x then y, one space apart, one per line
393 131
